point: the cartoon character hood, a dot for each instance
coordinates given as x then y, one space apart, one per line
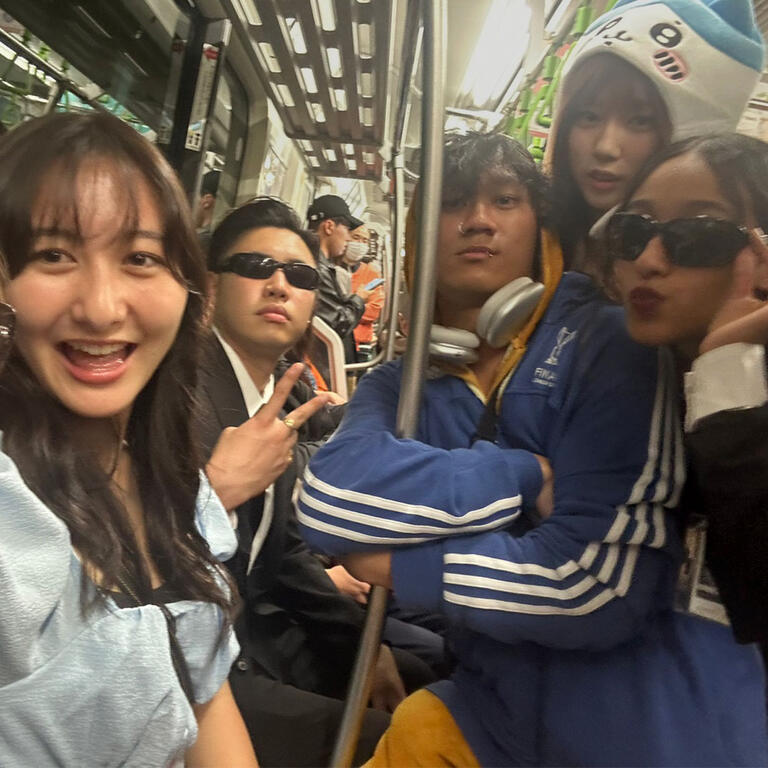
704 56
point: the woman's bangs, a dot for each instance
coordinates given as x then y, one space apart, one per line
66 189
606 74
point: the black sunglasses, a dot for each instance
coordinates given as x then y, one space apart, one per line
7 326
259 266
700 241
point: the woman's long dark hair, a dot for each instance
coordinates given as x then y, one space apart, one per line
39 165
571 215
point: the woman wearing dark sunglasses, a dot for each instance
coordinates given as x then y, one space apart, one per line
115 618
689 262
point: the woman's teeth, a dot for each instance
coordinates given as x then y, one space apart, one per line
97 349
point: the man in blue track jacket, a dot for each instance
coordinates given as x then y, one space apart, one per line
559 594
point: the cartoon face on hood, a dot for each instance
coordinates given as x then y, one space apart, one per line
703 56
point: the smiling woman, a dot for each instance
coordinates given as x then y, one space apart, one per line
95 407
100 306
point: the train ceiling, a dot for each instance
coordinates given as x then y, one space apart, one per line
325 66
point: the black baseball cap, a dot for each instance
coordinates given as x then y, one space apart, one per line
331 207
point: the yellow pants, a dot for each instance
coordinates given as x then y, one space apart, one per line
422 733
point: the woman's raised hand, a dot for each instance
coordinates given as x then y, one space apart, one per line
249 458
743 317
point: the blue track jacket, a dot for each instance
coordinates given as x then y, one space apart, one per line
569 651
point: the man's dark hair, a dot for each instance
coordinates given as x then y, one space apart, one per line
210 183
258 213
466 157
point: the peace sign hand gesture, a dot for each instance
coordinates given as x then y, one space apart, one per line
249 458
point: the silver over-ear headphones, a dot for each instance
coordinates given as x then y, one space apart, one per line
502 316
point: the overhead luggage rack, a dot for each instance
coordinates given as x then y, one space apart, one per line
325 65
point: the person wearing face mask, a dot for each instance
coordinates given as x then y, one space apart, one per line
688 262
330 219
363 273
645 73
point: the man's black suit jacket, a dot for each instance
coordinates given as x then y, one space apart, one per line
295 626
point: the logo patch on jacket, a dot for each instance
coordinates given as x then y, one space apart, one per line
544 375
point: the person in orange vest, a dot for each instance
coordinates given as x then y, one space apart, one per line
363 273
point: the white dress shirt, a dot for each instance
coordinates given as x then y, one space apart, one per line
253 402
731 377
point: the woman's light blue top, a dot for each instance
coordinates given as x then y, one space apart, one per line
99 689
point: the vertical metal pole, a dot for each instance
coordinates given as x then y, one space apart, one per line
398 230
417 353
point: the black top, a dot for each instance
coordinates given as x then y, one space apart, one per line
729 458
295 627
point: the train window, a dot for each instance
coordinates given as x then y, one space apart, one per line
272 175
124 57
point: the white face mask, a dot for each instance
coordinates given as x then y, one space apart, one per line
355 251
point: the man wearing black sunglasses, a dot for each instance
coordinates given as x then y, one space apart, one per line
330 219
297 632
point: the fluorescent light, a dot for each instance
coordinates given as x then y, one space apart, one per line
284 95
248 10
297 36
317 113
366 85
309 79
366 116
327 15
505 29
364 41
268 55
339 95
334 62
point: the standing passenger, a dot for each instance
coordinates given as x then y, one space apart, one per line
569 651
330 219
362 274
645 72
115 618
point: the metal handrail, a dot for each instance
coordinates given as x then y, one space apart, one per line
417 352
351 367
398 233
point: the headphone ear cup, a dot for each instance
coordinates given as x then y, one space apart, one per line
454 345
440 334
506 312
450 353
